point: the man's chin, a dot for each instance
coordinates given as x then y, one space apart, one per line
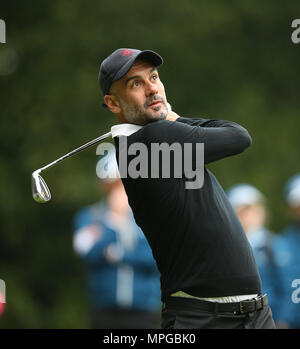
149 116
156 116
158 113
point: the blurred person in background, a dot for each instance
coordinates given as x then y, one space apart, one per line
250 206
287 248
2 303
122 277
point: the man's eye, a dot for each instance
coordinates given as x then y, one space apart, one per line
154 77
136 83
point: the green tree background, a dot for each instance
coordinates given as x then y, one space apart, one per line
229 60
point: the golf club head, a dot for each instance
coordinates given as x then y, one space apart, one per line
40 190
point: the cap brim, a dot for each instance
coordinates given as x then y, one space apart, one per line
148 55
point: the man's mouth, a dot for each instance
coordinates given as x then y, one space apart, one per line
154 103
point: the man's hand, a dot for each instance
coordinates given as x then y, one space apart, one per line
113 253
172 116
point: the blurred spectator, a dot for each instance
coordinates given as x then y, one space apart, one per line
122 277
2 296
250 206
2 303
287 248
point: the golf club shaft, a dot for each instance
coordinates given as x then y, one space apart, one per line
84 146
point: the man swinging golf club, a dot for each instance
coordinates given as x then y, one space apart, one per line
209 278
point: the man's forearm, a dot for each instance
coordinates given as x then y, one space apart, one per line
222 138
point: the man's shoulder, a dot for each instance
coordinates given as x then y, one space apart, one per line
158 124
291 231
161 130
285 239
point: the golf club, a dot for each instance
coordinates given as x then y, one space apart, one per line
40 190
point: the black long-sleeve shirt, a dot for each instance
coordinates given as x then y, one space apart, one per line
196 238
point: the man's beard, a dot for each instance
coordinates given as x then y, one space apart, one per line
139 115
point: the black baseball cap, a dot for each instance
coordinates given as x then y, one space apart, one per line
115 66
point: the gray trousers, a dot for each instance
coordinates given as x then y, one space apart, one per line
188 318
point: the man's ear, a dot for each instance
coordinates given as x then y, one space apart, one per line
112 104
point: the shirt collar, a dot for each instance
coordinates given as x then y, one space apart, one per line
124 130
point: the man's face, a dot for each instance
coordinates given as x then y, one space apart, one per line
295 212
251 216
141 95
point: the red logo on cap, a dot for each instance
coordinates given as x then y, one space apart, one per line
126 53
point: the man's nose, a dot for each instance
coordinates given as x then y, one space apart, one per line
151 88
